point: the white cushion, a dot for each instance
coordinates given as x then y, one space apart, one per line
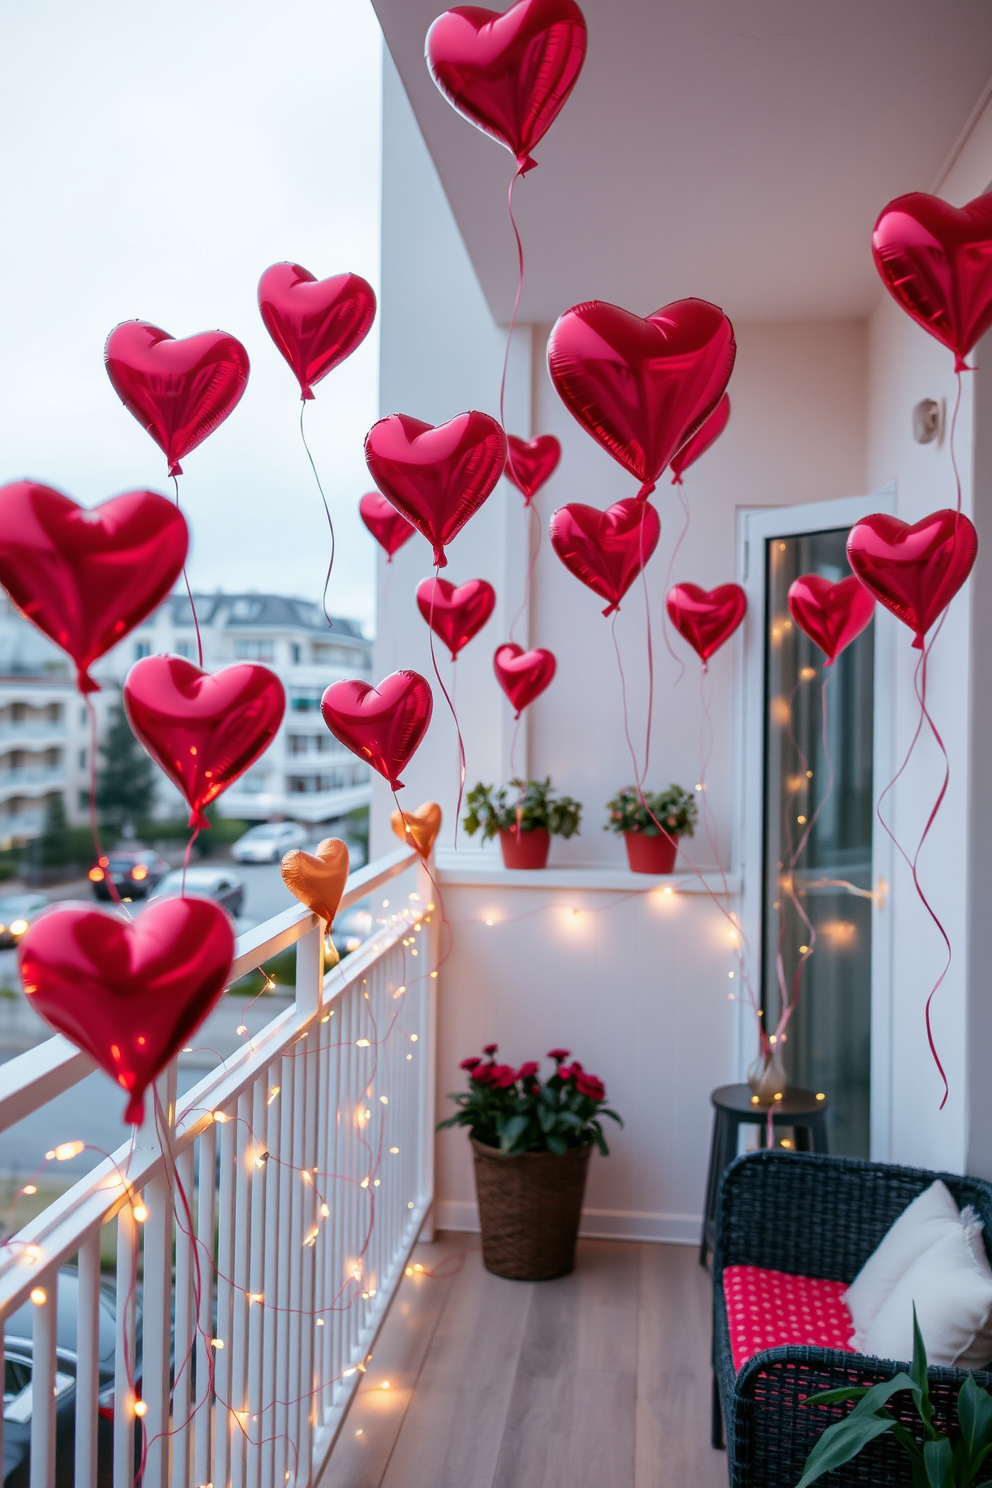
931 1216
951 1285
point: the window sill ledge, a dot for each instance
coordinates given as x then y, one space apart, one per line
485 870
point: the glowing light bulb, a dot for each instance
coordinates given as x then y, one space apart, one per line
140 1213
384 1100
30 1188
361 1043
39 1296
141 1408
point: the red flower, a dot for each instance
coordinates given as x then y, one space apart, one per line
527 1071
470 1064
491 1049
483 1074
558 1054
590 1086
504 1075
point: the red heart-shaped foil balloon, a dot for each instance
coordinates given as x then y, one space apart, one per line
523 675
129 995
387 526
606 550
830 614
705 435
642 388
203 730
915 571
936 262
437 477
178 390
455 613
531 462
87 576
509 74
315 323
706 618
383 725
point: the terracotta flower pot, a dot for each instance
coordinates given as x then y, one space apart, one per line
529 1210
649 854
525 849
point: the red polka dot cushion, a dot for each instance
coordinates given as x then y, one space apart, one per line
767 1309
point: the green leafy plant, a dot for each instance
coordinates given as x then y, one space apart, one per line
934 1462
511 1109
632 811
536 808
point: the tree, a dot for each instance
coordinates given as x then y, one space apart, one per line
125 785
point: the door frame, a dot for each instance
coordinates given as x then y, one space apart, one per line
755 527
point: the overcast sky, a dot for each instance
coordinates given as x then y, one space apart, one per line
154 159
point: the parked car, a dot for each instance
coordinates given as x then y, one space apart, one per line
17 1392
209 883
352 928
267 843
134 873
16 913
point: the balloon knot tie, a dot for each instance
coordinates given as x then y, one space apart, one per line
199 821
960 365
610 608
306 396
645 490
525 163
135 1113
85 682
676 480
439 559
175 468
918 643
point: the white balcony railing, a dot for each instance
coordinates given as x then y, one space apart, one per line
306 1165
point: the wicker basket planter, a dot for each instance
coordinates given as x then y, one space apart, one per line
529 1210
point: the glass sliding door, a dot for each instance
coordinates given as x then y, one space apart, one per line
816 908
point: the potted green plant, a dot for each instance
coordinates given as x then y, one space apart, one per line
531 1142
637 814
935 1461
526 825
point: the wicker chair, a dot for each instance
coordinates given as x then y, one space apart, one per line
822 1217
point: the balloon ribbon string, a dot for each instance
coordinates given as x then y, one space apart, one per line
954 456
327 514
920 688
189 848
513 747
668 584
738 938
513 317
189 595
451 706
533 526
649 645
94 829
408 833
790 996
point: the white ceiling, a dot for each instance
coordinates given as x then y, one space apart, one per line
735 149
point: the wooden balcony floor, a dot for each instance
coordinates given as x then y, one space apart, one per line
601 1378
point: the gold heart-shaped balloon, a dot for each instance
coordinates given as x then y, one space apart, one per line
318 879
420 827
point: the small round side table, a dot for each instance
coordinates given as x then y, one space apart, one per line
733 1107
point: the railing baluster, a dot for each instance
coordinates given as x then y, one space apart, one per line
322 1256
206 1209
156 1296
297 1232
225 1274
239 1330
42 1473
288 1179
183 1356
256 1282
271 1281
127 1266
308 1258
87 1361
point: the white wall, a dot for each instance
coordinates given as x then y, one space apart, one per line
820 410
